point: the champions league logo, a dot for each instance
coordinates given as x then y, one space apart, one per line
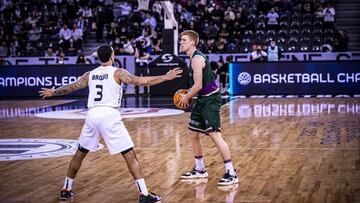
244 78
25 149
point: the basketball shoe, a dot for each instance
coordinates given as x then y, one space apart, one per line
195 174
66 194
150 198
228 179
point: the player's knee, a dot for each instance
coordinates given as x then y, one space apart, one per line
129 155
193 134
215 135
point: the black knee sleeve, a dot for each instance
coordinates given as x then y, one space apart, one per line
126 151
82 149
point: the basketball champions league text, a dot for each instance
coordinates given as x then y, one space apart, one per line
37 81
307 78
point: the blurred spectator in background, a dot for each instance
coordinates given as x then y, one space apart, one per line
229 14
221 45
13 49
71 51
18 12
81 59
99 20
80 24
125 9
61 59
142 58
272 19
3 50
217 15
220 65
253 47
319 13
112 33
224 75
149 21
32 19
342 41
329 16
215 67
118 49
128 48
264 48
273 51
308 6
34 34
155 43
241 18
258 55
64 35
2 61
76 36
210 46
50 52
224 31
86 13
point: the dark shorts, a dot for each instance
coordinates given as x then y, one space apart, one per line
205 115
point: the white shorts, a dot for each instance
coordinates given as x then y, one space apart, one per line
105 121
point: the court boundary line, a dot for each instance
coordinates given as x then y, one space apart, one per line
259 148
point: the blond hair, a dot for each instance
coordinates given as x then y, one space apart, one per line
192 35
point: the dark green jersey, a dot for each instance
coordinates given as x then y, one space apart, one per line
209 85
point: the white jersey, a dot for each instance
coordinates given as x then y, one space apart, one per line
103 89
273 54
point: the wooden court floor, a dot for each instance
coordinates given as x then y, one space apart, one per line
284 150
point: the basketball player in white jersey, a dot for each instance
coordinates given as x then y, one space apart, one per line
104 118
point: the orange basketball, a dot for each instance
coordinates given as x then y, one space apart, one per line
177 97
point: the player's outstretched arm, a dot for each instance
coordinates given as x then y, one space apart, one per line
66 89
123 75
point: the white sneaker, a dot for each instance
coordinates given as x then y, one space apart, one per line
194 174
228 179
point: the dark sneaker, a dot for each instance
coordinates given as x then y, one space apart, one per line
150 198
194 174
228 179
66 194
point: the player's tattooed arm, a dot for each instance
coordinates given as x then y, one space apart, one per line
66 89
123 75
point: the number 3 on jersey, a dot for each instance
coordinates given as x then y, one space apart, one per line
99 92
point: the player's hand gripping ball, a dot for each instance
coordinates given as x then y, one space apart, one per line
177 97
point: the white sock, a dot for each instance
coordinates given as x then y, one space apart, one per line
140 184
229 167
199 163
68 183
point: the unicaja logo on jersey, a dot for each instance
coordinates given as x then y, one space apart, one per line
167 58
244 78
